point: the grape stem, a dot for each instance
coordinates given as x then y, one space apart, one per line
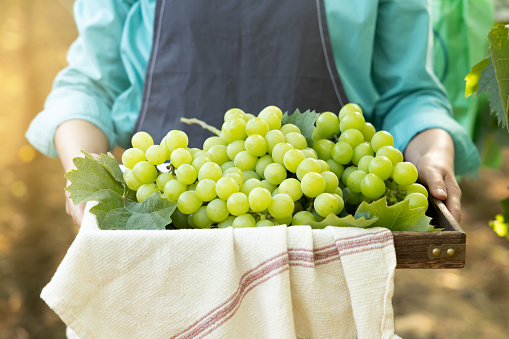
203 124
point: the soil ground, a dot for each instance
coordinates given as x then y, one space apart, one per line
35 232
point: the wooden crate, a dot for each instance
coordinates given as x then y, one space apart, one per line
439 249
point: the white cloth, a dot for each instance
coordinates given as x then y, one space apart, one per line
271 282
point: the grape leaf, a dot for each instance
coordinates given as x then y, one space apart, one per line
305 121
488 84
347 221
472 78
499 50
398 217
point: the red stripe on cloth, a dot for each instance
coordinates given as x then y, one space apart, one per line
365 249
367 239
251 277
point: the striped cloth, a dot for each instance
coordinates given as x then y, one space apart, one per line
272 282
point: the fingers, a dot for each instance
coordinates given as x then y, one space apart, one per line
75 211
453 201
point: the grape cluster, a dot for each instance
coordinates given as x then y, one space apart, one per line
258 172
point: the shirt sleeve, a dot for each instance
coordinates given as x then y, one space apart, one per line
94 77
411 97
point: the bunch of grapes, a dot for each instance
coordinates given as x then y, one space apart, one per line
258 172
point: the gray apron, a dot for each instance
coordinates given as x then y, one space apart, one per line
210 56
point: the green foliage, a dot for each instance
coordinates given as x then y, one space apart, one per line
305 121
501 223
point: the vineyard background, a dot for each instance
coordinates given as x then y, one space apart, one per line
35 232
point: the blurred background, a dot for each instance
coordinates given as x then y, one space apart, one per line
35 231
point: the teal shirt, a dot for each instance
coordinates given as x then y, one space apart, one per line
382 50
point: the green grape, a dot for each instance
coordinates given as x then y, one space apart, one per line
162 179
347 172
353 120
354 180
342 153
257 126
283 221
279 151
309 153
303 218
323 148
226 165
349 108
234 129
186 174
360 151
273 138
380 139
316 135
175 139
249 185
306 166
313 184
325 204
267 185
323 165
180 156
281 206
331 181
327 124
188 202
341 203
288 128
201 219
276 191
292 159
381 166
173 189
210 170
272 119
353 198
245 161
353 137
192 187
145 191
237 171
190 221
363 163
194 150
417 200
179 220
206 190
225 187
273 109
228 222
415 188
262 163
131 180
213 141
199 162
368 131
291 186
259 199
233 113
238 204
404 173
219 155
295 139
244 220
132 156
335 167
339 192
142 140
235 176
372 186
145 172
256 145
264 223
275 173
249 116
217 210
389 152
235 148
201 153
251 175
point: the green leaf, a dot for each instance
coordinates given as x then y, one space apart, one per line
488 84
305 121
472 78
499 49
347 221
92 175
111 165
398 217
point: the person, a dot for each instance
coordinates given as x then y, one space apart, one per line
141 65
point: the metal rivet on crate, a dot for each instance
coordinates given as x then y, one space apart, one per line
451 252
436 252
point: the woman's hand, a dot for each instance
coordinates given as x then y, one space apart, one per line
432 151
71 138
